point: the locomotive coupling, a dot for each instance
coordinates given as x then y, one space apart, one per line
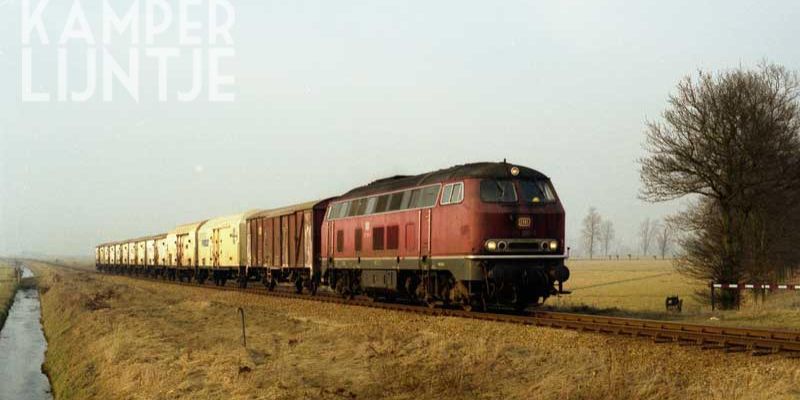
560 273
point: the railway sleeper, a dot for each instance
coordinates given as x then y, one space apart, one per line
757 352
685 342
735 349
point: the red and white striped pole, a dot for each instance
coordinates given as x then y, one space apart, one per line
739 286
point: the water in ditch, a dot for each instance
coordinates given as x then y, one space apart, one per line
22 348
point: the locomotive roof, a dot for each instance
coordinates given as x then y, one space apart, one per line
473 170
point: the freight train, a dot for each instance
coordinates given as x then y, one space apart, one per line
474 235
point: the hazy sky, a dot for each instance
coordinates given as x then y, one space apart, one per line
333 94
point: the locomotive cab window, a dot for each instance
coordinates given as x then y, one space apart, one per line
537 191
498 191
453 193
448 190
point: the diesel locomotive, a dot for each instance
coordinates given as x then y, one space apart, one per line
475 235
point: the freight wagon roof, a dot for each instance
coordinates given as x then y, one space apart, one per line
186 228
285 210
474 170
149 237
139 239
234 219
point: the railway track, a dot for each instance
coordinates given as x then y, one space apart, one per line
727 339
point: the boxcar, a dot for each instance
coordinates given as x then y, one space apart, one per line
107 256
222 248
112 256
284 245
162 254
98 256
118 265
141 255
182 250
125 256
104 255
151 257
132 256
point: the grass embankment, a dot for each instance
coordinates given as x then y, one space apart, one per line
639 288
8 287
114 337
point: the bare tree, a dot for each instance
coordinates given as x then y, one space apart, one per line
591 230
647 229
732 141
606 235
664 239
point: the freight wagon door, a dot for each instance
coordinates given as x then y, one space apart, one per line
215 245
181 242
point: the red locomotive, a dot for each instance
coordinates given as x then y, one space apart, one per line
475 234
479 234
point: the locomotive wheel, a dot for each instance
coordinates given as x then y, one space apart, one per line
298 285
270 283
430 302
340 287
312 287
410 286
343 288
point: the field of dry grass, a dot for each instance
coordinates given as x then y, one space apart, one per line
113 337
8 286
639 288
636 286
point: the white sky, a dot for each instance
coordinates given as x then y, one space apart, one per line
333 94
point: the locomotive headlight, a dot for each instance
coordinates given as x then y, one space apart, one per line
514 171
491 245
554 245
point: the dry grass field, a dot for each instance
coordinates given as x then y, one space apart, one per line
634 286
639 288
8 286
114 337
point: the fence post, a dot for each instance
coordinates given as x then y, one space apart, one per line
244 334
713 297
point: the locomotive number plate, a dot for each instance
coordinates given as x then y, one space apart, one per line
524 222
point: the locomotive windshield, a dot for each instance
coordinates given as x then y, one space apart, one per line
504 191
498 191
536 191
